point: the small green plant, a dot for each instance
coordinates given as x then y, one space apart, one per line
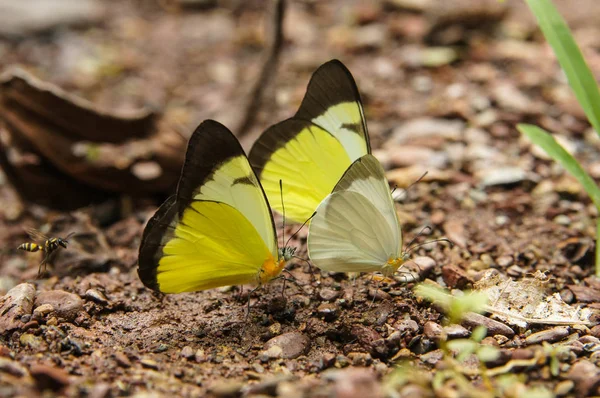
584 86
456 352
454 374
455 308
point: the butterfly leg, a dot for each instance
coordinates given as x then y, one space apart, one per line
374 293
248 307
239 296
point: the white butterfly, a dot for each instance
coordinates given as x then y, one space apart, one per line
356 228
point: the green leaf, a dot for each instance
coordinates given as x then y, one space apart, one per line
569 56
470 302
462 345
479 333
542 138
487 353
433 294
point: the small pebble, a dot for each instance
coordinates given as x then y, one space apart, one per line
149 363
227 389
456 331
549 335
200 356
567 296
122 359
43 310
353 382
15 304
66 305
11 367
258 368
49 377
287 346
393 340
187 352
455 277
586 378
515 271
406 326
341 361
328 311
96 296
589 340
30 325
327 294
32 341
522 353
504 261
365 336
472 320
378 295
432 357
425 265
360 358
432 330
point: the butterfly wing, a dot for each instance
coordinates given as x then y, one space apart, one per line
311 151
218 229
356 228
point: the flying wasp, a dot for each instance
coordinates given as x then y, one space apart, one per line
46 244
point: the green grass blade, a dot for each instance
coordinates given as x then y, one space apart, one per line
542 138
569 56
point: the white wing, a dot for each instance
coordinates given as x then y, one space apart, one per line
355 228
366 177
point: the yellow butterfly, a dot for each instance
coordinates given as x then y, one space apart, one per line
310 151
217 230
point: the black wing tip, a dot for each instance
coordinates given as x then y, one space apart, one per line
151 243
333 63
211 144
214 131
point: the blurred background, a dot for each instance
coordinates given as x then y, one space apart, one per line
98 98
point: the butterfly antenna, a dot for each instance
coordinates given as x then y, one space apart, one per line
283 210
412 184
408 250
421 232
298 230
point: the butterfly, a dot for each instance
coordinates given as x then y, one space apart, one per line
356 228
310 151
218 229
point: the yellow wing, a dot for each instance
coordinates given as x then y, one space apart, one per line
310 152
218 229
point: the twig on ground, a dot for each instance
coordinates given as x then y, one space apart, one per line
267 72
